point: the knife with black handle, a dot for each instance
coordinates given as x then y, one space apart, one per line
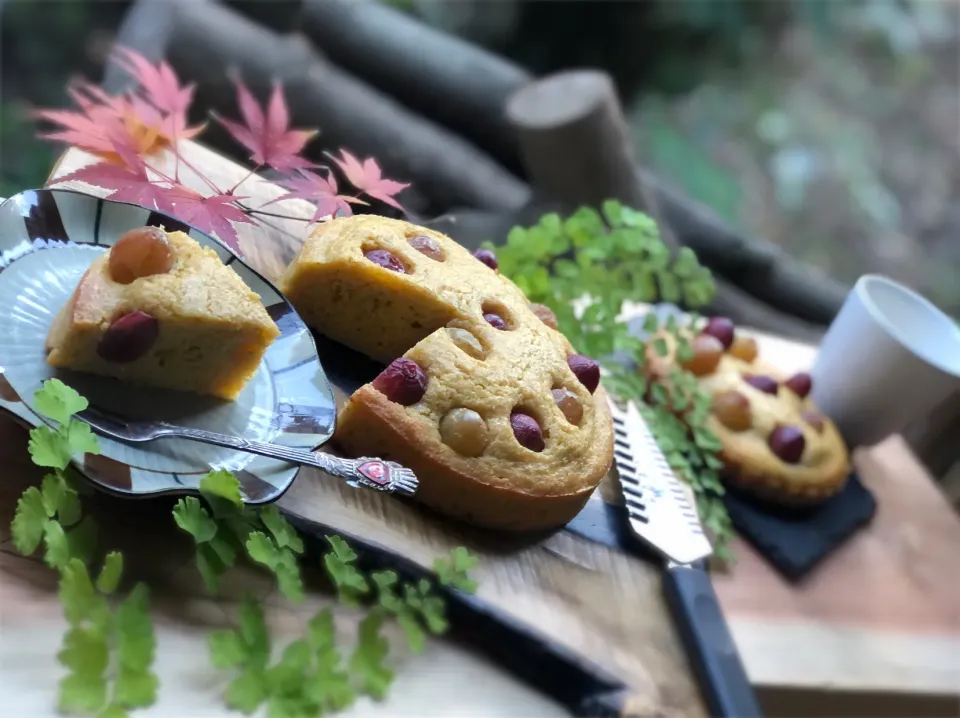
661 514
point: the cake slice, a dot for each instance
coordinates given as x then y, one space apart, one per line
160 310
503 423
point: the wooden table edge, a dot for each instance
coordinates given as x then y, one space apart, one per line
821 658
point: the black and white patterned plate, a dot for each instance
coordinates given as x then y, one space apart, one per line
48 238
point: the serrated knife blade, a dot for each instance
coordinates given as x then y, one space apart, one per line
658 503
660 512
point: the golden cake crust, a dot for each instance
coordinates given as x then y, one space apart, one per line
506 486
213 327
749 463
455 485
381 313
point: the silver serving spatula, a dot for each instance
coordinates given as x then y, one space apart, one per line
661 514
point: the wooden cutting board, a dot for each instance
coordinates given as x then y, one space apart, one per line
595 613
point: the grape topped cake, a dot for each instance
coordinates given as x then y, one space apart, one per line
158 309
776 445
504 424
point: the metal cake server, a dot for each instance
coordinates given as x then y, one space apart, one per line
661 514
366 472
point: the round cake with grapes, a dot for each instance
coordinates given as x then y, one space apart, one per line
776 444
505 425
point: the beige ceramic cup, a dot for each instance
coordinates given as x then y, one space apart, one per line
889 357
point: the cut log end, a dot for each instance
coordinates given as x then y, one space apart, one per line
561 99
573 139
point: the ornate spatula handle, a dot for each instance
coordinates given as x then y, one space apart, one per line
367 472
370 473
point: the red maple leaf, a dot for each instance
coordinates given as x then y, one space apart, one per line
367 178
129 178
159 83
76 128
100 115
168 127
163 101
267 134
90 97
322 191
89 127
213 214
129 184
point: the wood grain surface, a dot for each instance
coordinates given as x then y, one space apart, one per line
883 612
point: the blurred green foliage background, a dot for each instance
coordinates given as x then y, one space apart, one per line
830 127
43 43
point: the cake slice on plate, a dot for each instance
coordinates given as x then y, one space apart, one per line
158 309
503 423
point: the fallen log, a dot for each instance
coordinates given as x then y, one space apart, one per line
441 76
204 40
280 16
576 149
573 140
760 268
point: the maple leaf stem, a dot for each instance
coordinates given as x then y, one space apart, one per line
264 213
199 174
243 179
163 177
175 146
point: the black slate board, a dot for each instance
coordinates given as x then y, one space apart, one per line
795 541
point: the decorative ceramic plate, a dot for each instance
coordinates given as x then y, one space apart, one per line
48 238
